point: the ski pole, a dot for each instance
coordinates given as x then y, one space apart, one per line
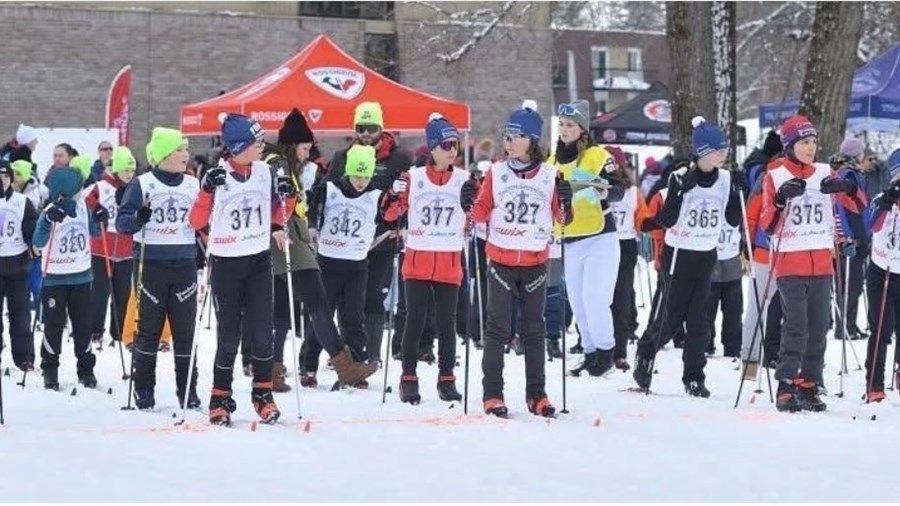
112 296
45 264
390 318
2 421
469 337
884 292
137 312
562 303
291 304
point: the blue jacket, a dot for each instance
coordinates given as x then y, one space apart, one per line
854 225
166 255
42 237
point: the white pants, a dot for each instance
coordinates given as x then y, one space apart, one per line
591 268
753 320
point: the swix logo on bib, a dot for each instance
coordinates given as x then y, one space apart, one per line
436 220
623 213
521 218
729 242
886 243
169 208
242 215
106 194
702 216
348 227
12 212
809 218
71 250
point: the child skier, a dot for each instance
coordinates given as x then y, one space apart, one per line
242 203
154 210
698 203
67 224
519 200
726 289
19 218
797 213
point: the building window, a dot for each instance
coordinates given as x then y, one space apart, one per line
635 64
353 10
601 99
381 54
599 62
560 76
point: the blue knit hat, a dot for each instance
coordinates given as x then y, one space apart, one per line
240 132
893 163
526 121
439 130
707 137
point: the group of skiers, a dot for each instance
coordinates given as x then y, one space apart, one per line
286 248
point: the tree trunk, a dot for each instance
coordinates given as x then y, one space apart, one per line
723 38
703 85
678 32
829 71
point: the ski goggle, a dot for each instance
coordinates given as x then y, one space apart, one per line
568 110
367 129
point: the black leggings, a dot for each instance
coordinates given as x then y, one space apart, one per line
418 294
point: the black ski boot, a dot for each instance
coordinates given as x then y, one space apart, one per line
808 397
51 379
541 406
446 388
495 406
409 389
786 397
643 375
264 403
577 349
87 379
585 364
143 398
553 350
193 400
602 363
696 389
221 406
622 364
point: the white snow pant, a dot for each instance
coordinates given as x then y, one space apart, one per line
763 271
591 268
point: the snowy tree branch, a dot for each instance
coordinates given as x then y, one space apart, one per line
480 34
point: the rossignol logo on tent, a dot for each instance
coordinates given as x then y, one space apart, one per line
659 110
338 81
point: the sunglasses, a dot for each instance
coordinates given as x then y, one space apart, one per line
367 129
449 145
106 148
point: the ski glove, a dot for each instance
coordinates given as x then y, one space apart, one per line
284 186
891 195
467 195
836 184
143 215
739 180
55 213
848 249
564 194
214 178
399 187
682 181
790 189
101 215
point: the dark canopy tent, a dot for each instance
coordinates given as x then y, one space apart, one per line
645 120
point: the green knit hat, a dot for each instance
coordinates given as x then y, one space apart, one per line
123 160
83 165
163 143
368 113
22 168
360 161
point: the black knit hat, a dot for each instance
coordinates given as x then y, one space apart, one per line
772 145
295 130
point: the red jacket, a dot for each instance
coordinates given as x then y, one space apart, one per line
799 263
119 246
439 266
481 213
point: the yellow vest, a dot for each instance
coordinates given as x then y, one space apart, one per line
589 217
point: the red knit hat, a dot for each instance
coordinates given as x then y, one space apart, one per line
618 155
796 128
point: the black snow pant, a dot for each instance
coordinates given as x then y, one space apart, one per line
14 291
242 294
656 316
890 324
310 304
60 301
478 309
418 295
806 302
168 291
507 286
772 341
857 277
378 286
345 291
684 300
623 297
730 296
429 333
122 272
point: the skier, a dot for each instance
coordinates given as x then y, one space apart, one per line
726 290
519 200
699 201
797 213
343 216
27 183
884 308
243 203
435 199
66 289
154 211
115 248
19 220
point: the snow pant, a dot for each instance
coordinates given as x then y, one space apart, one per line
890 323
418 294
755 321
685 296
729 295
507 286
655 318
855 279
429 332
345 292
167 293
591 267
74 301
462 302
774 315
553 313
14 290
378 286
623 304
478 308
122 271
34 286
806 302
321 332
242 294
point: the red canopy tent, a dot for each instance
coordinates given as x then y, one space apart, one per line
326 84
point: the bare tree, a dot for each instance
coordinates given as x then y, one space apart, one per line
610 15
829 70
703 86
723 25
678 32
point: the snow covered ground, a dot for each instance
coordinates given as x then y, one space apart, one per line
612 446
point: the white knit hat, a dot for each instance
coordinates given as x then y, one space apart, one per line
25 134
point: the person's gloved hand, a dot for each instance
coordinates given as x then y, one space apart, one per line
467 194
55 213
399 187
101 215
738 180
837 184
564 193
848 249
682 181
143 215
284 186
792 188
214 178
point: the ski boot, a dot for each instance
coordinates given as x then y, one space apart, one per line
264 403
97 338
446 388
143 398
87 379
602 363
622 364
409 389
643 375
495 406
221 406
553 350
26 366
808 396
348 371
577 349
51 379
541 406
786 397
875 395
586 362
193 400
308 380
279 385
517 346
696 389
